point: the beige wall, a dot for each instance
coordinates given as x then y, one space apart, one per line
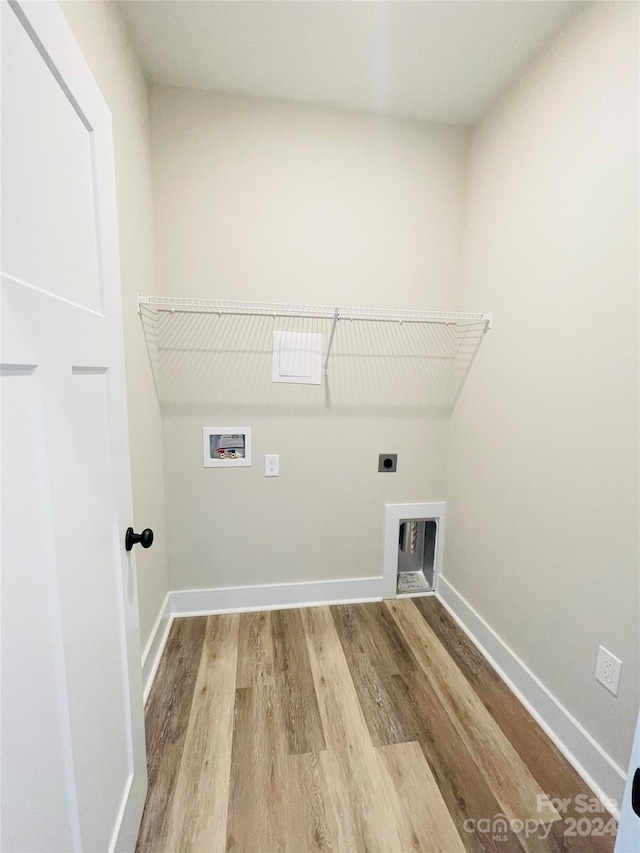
100 32
542 484
268 201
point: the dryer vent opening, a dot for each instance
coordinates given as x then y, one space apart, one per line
416 555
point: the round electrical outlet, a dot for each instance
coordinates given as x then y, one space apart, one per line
387 463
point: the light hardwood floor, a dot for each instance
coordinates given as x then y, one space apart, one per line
367 727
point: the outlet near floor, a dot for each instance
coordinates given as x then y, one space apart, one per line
608 669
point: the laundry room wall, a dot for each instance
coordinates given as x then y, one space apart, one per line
269 201
542 484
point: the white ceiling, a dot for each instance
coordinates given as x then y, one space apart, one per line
444 60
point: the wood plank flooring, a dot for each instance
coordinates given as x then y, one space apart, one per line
367 727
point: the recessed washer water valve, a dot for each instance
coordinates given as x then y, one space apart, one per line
226 447
230 446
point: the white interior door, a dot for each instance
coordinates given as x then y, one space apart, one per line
628 838
73 757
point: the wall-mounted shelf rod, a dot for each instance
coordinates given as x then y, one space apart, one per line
283 309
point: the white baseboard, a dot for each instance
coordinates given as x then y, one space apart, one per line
244 599
584 754
155 645
238 599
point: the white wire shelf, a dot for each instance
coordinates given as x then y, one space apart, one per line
448 343
283 309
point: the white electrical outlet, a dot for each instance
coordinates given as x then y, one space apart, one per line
608 669
271 465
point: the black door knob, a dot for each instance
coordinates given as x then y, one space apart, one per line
145 538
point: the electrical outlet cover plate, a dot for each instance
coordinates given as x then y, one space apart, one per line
608 669
271 465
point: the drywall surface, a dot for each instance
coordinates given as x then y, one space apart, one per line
100 32
267 201
542 477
